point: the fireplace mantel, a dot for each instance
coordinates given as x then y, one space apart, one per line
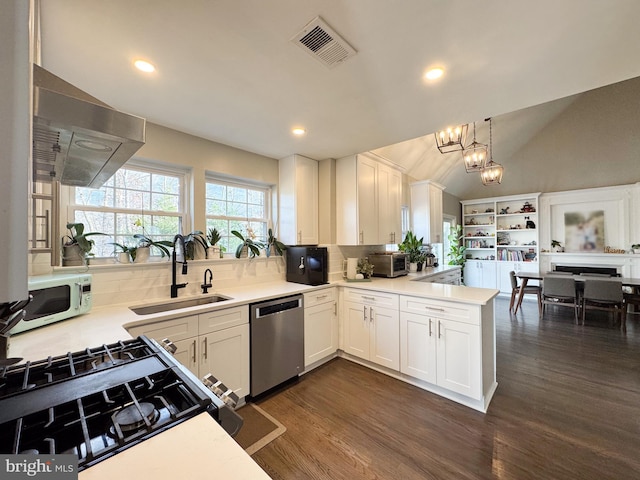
627 265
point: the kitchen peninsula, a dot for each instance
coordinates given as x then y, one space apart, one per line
471 307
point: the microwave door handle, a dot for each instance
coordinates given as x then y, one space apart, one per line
79 285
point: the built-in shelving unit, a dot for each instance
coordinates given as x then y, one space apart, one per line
500 235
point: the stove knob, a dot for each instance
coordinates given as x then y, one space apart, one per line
213 384
230 398
168 345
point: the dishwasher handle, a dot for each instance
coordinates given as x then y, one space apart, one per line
275 307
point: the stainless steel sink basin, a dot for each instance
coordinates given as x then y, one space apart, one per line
177 304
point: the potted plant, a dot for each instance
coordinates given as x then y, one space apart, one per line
124 255
191 242
142 251
556 246
364 268
249 247
274 246
411 245
635 247
457 249
213 237
77 246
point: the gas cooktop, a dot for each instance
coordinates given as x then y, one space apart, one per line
100 401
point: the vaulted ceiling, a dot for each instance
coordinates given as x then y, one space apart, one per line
227 70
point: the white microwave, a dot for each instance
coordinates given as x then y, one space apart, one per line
55 298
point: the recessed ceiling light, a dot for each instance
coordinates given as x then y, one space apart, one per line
144 66
299 131
434 73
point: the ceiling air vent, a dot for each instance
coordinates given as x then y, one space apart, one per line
321 42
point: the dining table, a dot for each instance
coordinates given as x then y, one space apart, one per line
631 282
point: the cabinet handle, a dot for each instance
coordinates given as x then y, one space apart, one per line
206 348
434 308
371 314
194 352
368 298
335 308
320 297
439 331
299 236
361 237
364 309
430 322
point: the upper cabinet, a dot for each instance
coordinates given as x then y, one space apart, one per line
298 192
426 211
368 196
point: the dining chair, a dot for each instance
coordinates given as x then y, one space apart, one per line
631 298
604 295
561 291
529 289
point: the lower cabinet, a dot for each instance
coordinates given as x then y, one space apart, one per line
371 327
214 342
320 325
480 273
441 344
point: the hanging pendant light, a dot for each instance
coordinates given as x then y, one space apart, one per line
451 139
491 174
474 154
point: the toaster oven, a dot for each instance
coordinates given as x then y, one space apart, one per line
389 264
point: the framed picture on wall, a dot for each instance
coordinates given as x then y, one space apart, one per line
584 231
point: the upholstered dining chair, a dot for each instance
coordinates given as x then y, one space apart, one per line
560 290
529 289
604 295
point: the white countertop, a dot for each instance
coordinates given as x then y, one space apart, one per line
199 445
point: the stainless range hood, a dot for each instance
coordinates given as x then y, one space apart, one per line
77 139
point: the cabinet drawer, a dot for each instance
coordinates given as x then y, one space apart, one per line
319 297
381 299
174 330
221 319
440 309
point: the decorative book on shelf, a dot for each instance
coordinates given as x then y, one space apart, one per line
503 238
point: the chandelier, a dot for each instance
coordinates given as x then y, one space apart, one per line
474 154
452 139
492 172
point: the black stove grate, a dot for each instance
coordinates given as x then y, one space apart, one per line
94 403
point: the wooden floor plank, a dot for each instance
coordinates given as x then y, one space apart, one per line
567 407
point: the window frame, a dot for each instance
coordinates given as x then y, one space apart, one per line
245 183
184 214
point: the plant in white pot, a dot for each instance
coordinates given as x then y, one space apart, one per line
213 237
77 246
142 252
412 246
124 255
249 247
635 247
274 246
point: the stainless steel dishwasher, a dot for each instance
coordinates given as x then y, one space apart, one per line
277 342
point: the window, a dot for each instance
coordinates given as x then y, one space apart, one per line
137 199
235 206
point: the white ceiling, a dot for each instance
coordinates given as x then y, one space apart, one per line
228 72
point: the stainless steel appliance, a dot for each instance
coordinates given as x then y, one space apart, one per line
55 298
99 401
389 264
277 342
307 264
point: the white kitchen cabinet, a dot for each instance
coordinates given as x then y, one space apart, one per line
368 195
389 205
371 327
480 273
225 354
298 201
215 342
320 326
504 268
426 211
441 343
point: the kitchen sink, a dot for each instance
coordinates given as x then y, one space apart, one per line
177 304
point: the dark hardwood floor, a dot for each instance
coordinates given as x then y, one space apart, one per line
567 407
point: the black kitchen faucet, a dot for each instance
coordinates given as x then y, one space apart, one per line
178 242
207 285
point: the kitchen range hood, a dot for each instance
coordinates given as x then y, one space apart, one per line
77 139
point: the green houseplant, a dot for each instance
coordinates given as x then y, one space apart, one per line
412 246
145 242
191 242
125 253
635 247
274 245
457 249
77 245
251 246
213 237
